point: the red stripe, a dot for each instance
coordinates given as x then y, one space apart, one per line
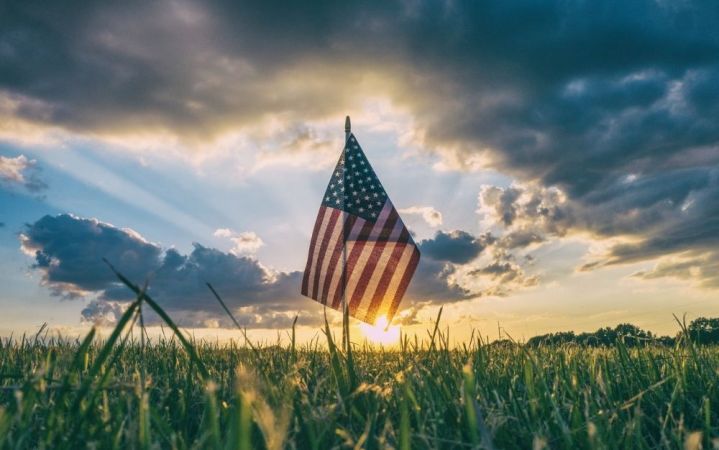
350 264
374 236
365 276
368 270
315 232
335 296
326 238
409 271
378 297
335 258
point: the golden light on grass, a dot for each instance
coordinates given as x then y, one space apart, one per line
380 332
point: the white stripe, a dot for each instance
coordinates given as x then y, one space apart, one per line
379 270
334 238
316 252
396 279
337 270
397 231
359 266
383 216
369 246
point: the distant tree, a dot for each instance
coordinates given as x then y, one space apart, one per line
562 337
630 335
503 343
704 331
601 338
666 341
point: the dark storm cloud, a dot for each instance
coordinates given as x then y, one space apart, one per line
613 103
446 255
506 275
432 283
664 213
455 246
68 252
173 63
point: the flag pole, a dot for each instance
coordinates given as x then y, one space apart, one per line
345 311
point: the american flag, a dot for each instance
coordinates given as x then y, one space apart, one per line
360 251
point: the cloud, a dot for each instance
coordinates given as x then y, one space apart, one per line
458 266
524 216
527 211
21 171
501 277
455 246
702 269
244 243
223 232
68 252
428 213
11 169
298 145
103 313
651 216
168 65
196 71
611 104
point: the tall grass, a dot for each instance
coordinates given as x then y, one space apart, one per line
123 392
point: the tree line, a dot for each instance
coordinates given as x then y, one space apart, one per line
702 331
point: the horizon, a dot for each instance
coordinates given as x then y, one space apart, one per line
556 173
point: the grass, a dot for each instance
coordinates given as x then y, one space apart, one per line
123 392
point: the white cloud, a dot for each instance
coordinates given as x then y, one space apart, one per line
222 232
11 169
429 214
245 243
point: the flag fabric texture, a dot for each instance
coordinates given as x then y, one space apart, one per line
360 250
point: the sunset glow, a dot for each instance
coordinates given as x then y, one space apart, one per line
380 332
567 192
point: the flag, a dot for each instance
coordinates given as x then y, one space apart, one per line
360 251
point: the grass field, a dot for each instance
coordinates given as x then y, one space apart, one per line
121 392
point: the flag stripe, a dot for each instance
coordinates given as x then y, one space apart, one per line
396 278
334 227
355 267
373 259
355 272
336 287
323 227
409 271
354 249
391 267
335 264
334 250
310 255
382 266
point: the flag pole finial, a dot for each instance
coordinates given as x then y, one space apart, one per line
348 126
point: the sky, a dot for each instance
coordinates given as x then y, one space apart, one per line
557 163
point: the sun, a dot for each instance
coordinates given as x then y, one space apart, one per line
380 332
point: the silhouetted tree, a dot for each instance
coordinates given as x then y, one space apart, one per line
562 337
704 331
631 335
